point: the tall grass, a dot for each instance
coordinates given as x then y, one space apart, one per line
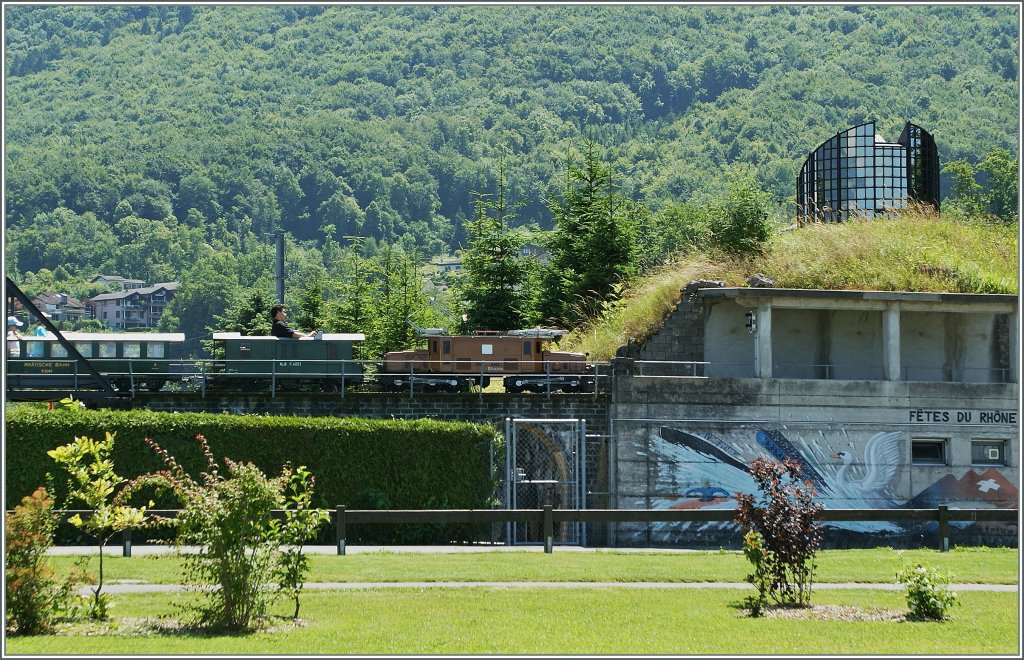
918 251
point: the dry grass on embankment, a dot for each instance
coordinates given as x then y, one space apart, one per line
915 252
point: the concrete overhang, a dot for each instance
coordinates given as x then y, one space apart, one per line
977 303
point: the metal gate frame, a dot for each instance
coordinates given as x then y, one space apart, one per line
567 474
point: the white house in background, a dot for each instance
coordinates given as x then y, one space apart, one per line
137 307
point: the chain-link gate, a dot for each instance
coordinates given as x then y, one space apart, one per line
545 464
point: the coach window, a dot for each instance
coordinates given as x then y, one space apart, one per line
57 351
132 350
154 350
108 349
84 348
928 451
988 452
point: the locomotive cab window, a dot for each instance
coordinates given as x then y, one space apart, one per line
132 350
108 349
526 347
447 346
155 350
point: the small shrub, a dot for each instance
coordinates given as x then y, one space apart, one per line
301 521
34 596
228 517
94 482
753 550
781 537
927 594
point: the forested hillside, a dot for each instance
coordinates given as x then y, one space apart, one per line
144 140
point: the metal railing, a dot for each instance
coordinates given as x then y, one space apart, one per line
195 374
669 369
199 374
548 517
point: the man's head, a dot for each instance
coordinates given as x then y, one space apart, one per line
275 311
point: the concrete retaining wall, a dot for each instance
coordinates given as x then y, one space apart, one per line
686 443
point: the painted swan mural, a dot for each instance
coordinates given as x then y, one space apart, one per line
698 469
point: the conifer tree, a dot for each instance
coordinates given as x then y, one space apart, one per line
491 286
592 245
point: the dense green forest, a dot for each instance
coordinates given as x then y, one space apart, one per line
167 142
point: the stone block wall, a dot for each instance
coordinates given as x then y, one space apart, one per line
490 408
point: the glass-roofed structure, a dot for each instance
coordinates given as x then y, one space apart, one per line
856 173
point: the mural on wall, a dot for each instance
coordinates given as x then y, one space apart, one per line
699 469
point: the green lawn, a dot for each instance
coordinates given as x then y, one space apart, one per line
570 619
562 621
988 566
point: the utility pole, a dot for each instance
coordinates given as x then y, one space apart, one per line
280 266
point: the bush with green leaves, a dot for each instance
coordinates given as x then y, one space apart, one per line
301 521
227 516
739 222
781 536
94 482
928 595
34 595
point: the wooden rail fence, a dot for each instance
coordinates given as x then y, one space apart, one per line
547 517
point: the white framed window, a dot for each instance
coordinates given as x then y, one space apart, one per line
486 349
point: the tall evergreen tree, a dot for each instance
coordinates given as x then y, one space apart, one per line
398 298
592 244
491 285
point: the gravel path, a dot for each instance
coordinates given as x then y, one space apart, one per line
135 587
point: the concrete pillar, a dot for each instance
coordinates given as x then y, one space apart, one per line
1014 375
891 366
763 340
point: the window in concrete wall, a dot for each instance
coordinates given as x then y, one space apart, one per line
988 452
928 451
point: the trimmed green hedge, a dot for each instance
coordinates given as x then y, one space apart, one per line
360 463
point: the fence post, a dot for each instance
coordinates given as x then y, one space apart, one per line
549 529
339 527
943 528
126 543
